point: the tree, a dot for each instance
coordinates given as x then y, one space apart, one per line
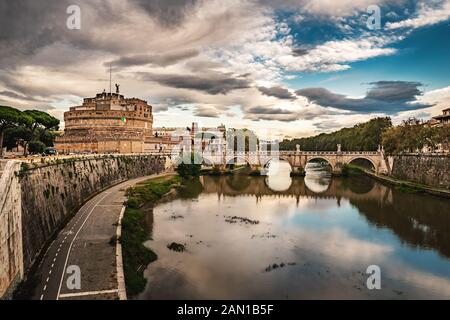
17 136
412 134
42 122
189 166
11 117
361 137
36 147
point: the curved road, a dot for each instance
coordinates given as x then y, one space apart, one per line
86 247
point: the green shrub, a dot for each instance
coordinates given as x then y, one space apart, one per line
189 166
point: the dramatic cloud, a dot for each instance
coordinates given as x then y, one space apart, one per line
170 13
298 52
427 15
161 60
389 97
17 96
213 83
278 92
268 110
335 55
206 111
212 58
284 117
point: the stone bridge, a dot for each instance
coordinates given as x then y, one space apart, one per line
298 159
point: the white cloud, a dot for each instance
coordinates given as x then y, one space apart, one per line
427 15
334 55
439 98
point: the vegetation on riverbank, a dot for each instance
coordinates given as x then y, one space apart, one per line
412 134
136 256
362 137
351 170
400 185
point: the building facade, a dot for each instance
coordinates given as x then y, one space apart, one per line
443 119
107 123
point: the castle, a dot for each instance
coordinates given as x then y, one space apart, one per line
107 123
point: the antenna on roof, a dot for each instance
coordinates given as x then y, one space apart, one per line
110 78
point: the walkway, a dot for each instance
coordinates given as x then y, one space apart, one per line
87 242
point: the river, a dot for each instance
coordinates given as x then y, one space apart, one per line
312 237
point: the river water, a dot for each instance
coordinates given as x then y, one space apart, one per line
278 237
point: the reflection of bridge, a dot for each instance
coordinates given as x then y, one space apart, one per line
238 185
425 226
298 159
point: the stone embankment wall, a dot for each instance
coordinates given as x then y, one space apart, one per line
42 197
11 259
428 169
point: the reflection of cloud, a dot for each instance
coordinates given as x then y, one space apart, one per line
317 184
340 247
427 282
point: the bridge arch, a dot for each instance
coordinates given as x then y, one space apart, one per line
374 166
207 162
232 161
266 162
330 162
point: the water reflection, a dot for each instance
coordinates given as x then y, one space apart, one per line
278 176
317 178
307 244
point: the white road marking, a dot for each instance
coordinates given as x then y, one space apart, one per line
88 293
73 240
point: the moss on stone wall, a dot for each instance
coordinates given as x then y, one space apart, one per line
430 170
54 190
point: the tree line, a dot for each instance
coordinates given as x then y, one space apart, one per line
413 135
410 136
31 129
361 137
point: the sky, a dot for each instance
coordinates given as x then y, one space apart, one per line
286 68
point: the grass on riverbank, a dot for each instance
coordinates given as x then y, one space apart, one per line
136 256
402 186
351 170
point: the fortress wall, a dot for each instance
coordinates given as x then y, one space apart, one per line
11 259
42 198
431 170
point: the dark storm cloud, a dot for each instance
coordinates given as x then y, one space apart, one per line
268 110
26 26
388 97
169 13
394 91
161 60
278 92
213 83
270 114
